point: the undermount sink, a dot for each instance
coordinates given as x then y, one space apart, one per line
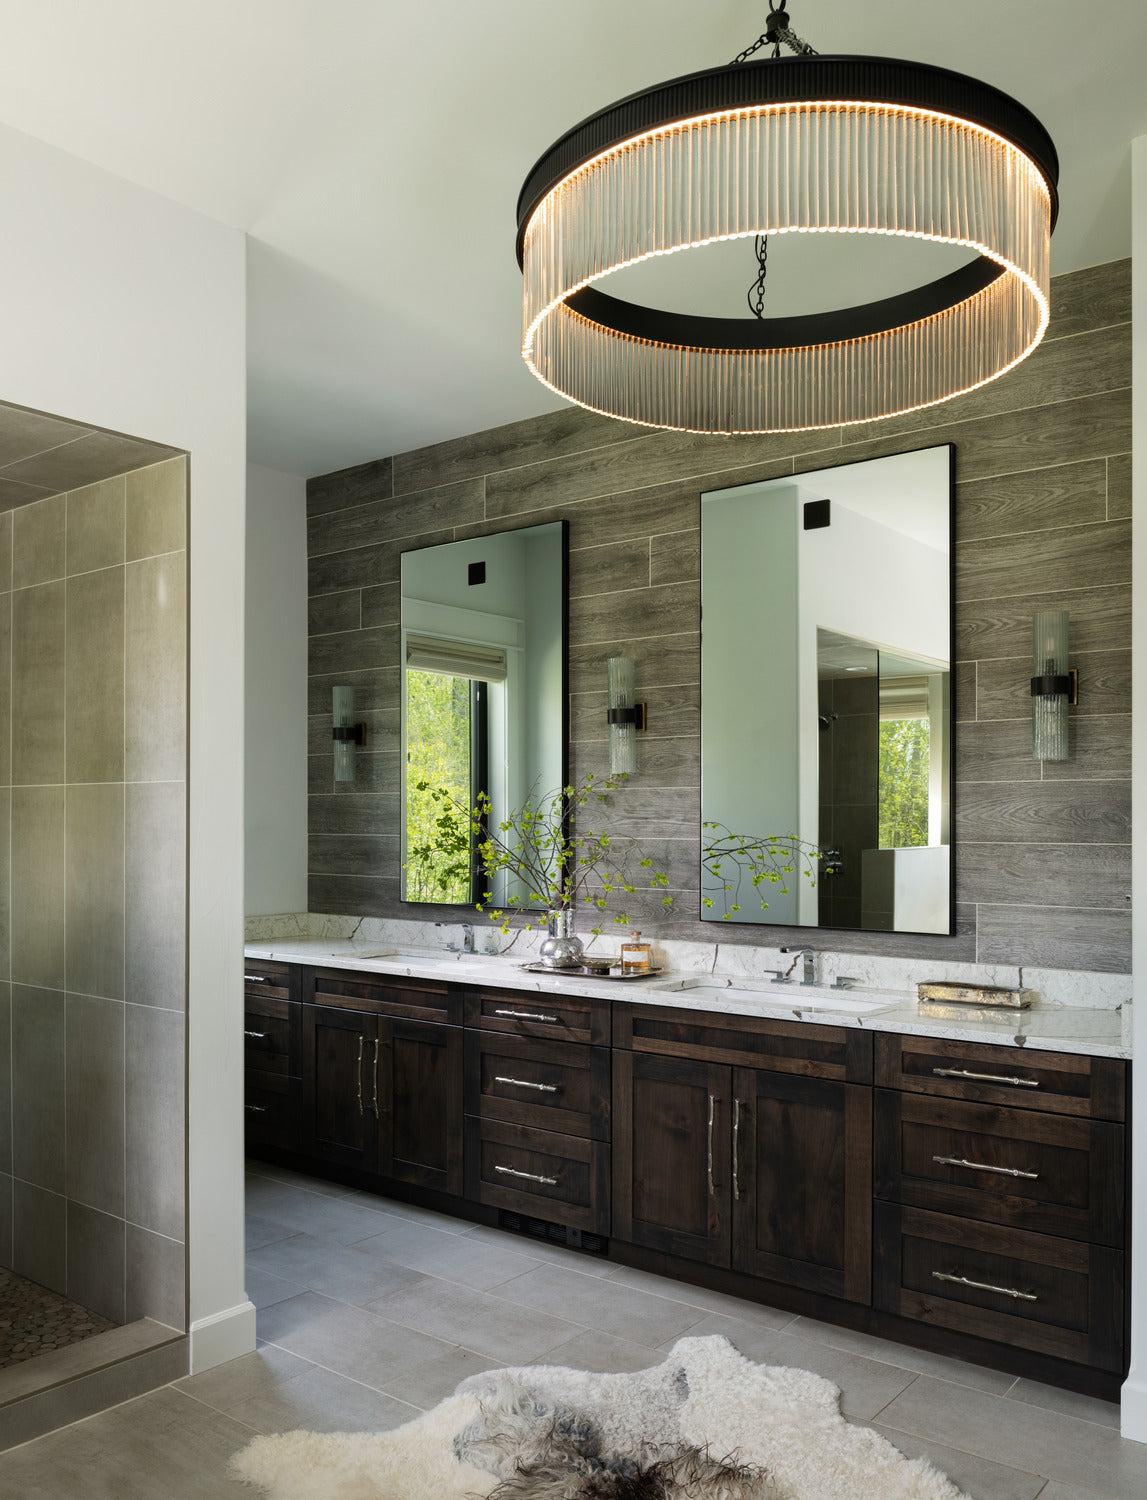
787 997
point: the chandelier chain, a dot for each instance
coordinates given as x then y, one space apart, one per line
776 31
756 293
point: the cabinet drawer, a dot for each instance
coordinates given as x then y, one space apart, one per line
267 1036
1032 1291
271 1111
551 1085
570 1018
408 999
266 977
1050 1173
1055 1082
562 1178
809 1051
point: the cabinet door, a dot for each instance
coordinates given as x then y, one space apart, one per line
671 1181
802 1182
416 1091
338 1125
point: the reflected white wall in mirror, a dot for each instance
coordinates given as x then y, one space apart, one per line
825 667
483 652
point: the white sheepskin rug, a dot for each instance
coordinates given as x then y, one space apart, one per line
706 1395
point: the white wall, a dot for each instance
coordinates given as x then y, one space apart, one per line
125 310
275 798
1135 1389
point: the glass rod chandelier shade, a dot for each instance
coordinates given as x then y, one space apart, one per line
806 145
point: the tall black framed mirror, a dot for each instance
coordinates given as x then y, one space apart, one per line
826 702
483 655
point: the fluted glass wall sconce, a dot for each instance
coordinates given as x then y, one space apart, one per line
345 732
625 717
1054 685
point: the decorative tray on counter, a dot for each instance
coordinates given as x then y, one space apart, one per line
995 995
588 973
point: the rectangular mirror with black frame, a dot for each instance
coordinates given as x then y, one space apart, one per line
483 654
826 705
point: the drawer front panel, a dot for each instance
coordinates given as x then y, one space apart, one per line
551 1085
1054 1082
271 1111
558 1177
264 977
1052 1174
570 1018
407 999
1033 1291
267 1039
746 1041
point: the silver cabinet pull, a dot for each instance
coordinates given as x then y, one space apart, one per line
737 1150
525 1015
377 1044
1023 1083
986 1286
256 1109
982 1166
527 1176
258 1036
255 979
524 1083
358 1065
709 1148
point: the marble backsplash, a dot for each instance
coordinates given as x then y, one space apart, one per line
728 960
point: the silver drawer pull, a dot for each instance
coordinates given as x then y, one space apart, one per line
258 1036
255 979
982 1166
527 1176
257 1109
525 1015
524 1083
1023 1083
986 1286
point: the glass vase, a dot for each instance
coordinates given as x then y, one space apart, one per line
561 949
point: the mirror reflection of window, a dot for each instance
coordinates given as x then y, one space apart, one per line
447 747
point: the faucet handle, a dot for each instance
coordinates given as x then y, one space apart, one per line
845 981
779 976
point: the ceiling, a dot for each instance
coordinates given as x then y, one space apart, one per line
373 151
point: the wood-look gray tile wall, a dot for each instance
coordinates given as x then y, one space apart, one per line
1042 504
93 922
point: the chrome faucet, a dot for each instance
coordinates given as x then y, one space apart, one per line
810 973
467 944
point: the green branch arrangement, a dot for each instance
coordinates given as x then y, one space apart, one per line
543 847
763 859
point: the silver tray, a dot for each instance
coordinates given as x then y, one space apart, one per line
585 973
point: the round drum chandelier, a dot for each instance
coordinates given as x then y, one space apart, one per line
772 145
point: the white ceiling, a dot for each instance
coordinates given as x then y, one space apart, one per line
374 150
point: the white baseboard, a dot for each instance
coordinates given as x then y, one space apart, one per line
224 1335
1133 1409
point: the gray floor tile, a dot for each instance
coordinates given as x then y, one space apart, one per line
239 1379
919 1360
454 1257
298 1179
539 1250
348 1273
411 1212
314 1213
262 1231
426 1384
346 1339
975 1476
500 1329
263 1289
321 1401
1071 1403
594 1350
1060 1447
754 1340
597 1302
702 1297
1057 1491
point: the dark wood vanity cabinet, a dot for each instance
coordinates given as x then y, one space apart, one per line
745 1144
382 1091
965 1196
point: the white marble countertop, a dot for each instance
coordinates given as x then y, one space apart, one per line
1052 1028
